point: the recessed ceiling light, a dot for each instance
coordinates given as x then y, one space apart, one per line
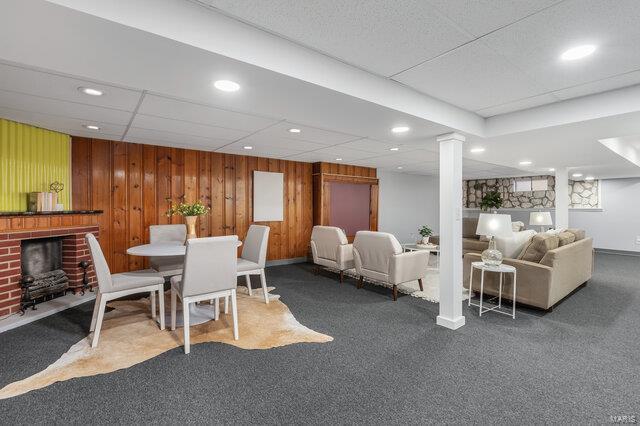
294 130
578 52
247 147
589 178
90 91
399 167
338 159
227 85
400 129
577 175
552 169
394 149
525 163
90 127
476 150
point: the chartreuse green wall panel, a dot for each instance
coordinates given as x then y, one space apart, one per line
31 159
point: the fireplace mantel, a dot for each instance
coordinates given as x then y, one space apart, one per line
71 227
53 213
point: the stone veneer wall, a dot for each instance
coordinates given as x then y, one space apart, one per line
582 194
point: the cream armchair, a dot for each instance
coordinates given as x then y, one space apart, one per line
379 257
330 248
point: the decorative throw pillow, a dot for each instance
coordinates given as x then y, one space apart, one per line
579 233
511 247
565 238
517 226
538 246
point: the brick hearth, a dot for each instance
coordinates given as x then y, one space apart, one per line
74 250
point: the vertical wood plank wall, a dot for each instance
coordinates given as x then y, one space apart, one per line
131 182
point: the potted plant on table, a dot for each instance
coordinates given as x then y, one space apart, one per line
491 200
425 232
190 213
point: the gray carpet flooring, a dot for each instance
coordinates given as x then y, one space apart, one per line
389 363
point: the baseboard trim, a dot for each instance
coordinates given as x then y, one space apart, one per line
291 261
618 252
450 323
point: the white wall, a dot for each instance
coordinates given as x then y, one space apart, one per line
618 224
407 202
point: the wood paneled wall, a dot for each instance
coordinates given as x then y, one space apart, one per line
131 183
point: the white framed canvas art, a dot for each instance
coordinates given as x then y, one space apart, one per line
268 196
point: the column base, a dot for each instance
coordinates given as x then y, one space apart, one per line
450 323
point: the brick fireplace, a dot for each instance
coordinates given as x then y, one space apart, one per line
70 227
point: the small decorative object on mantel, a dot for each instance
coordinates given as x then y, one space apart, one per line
492 200
425 232
42 201
190 213
57 187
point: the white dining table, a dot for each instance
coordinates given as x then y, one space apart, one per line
198 314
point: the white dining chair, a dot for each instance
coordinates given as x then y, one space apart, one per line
114 286
209 273
254 256
167 266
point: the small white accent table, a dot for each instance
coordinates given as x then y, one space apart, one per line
430 249
501 269
198 314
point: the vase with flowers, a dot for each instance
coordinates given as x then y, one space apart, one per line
190 212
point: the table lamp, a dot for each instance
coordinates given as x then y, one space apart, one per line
493 225
540 219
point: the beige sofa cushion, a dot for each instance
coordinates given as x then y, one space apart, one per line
566 238
473 244
538 246
579 233
512 246
469 226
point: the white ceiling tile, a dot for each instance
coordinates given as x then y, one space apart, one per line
186 128
604 85
380 35
161 106
520 104
49 85
375 147
481 17
346 154
535 44
59 108
257 151
308 134
472 76
149 134
66 125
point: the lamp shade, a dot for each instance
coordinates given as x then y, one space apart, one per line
540 219
494 225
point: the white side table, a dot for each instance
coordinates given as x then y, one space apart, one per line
501 269
431 249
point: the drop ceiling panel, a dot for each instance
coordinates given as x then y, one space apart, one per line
279 142
346 154
611 83
180 139
66 125
472 76
374 147
380 35
535 44
186 128
49 85
521 104
308 134
182 110
481 17
268 152
60 108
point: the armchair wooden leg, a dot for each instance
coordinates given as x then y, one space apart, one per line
395 292
341 277
420 284
360 282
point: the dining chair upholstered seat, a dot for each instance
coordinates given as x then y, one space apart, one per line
114 286
378 256
167 234
330 248
254 257
209 273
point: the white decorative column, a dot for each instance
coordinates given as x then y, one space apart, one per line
562 198
450 231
